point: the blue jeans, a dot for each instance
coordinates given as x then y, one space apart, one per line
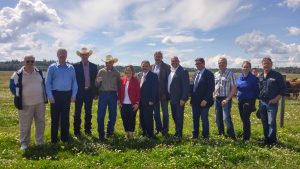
224 114
268 118
203 113
107 99
162 127
177 115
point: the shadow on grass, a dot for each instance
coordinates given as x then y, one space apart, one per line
93 146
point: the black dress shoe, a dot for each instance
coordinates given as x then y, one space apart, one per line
194 137
88 133
77 135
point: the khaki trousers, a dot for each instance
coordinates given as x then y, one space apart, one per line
36 112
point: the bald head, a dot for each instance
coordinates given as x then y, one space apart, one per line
29 61
175 61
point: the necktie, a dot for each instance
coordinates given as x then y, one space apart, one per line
196 81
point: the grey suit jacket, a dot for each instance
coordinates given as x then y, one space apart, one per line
179 87
163 80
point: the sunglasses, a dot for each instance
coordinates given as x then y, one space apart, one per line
30 61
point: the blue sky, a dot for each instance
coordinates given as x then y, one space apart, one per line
133 30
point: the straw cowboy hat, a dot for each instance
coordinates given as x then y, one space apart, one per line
110 58
84 51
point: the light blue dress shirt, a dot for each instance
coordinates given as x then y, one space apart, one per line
61 78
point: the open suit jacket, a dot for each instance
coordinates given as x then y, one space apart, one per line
149 88
163 80
81 80
204 90
179 87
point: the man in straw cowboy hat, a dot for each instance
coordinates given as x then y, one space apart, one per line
108 82
86 73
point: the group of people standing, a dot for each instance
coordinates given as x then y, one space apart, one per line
148 91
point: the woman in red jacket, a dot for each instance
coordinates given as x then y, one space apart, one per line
128 100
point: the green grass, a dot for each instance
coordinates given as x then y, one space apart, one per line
218 152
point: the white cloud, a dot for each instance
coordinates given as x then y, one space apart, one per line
18 27
207 39
259 44
151 44
27 14
178 39
205 15
294 31
292 4
244 8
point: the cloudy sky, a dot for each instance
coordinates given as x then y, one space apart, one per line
132 30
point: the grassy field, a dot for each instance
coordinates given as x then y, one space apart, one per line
218 152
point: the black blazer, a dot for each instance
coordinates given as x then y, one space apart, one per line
80 77
149 89
204 90
179 87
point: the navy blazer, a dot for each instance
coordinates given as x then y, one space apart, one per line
81 80
204 90
149 89
180 85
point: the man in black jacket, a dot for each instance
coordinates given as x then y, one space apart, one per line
202 97
149 97
178 89
86 73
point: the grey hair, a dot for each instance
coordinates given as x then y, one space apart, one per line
223 58
62 50
145 62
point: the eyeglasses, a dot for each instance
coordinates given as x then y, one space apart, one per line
198 63
29 61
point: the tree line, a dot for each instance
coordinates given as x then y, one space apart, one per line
14 65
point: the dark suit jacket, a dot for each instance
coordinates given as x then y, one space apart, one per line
204 90
81 80
163 79
179 87
149 89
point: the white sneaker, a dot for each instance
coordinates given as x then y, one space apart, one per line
24 147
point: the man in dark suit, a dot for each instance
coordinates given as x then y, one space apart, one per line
202 97
149 97
178 89
162 70
86 73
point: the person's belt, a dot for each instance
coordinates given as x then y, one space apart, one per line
87 88
108 91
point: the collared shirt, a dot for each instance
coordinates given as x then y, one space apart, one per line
61 78
144 74
32 91
197 78
271 86
171 75
156 69
247 87
86 71
223 83
110 79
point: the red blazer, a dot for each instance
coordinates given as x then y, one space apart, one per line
133 90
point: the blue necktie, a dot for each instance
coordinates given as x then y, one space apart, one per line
196 81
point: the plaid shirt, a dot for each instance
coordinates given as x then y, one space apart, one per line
223 83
